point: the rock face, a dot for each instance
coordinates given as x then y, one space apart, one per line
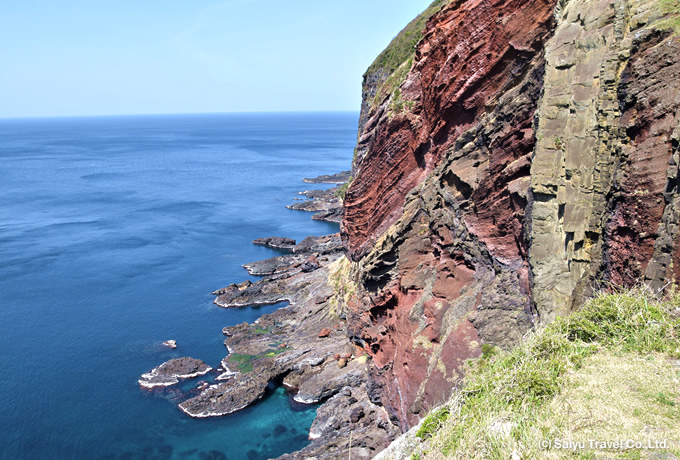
434 217
604 170
348 416
530 152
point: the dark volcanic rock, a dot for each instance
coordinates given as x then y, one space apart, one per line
265 292
276 242
348 414
327 380
326 204
330 215
171 371
290 274
328 244
339 178
310 264
329 194
228 397
274 265
234 288
287 344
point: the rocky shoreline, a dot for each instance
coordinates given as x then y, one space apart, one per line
326 204
303 346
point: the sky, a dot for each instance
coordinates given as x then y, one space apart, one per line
79 58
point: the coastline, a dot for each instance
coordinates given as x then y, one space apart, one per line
303 346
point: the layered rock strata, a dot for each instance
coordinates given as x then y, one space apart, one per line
435 216
528 157
526 154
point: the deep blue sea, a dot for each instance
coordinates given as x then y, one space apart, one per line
113 233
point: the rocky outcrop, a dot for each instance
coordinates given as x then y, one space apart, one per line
170 372
306 348
339 178
348 425
288 276
530 153
170 343
280 343
326 204
276 242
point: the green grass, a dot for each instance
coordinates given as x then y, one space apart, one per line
396 60
243 362
277 350
433 422
342 191
503 405
258 330
672 9
393 82
402 47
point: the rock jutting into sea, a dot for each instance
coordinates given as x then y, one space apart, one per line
275 242
339 178
170 372
305 347
325 204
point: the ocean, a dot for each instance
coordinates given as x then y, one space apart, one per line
114 231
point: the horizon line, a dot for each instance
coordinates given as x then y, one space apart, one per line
112 115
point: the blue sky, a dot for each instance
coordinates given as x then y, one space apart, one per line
65 58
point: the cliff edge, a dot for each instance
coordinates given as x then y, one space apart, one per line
525 154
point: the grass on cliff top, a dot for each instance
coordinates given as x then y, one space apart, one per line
604 373
671 8
396 60
402 47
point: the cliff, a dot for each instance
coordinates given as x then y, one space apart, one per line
525 155
513 158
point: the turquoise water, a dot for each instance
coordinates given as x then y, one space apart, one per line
113 233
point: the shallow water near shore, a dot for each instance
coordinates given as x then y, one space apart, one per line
113 233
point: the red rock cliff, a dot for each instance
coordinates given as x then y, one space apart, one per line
531 150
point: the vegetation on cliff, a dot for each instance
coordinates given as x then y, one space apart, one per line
608 372
672 9
392 66
403 46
